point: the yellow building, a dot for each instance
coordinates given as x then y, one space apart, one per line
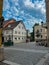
40 32
47 20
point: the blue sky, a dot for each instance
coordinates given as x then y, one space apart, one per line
30 11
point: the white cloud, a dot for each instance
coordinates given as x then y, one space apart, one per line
15 2
22 12
19 19
6 5
28 3
39 5
15 18
15 9
30 21
8 12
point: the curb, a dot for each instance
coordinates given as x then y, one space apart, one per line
10 63
42 61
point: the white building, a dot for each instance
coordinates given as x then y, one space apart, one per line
16 31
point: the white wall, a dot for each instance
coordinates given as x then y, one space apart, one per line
6 34
21 33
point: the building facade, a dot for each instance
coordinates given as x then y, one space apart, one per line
16 32
1 6
47 20
40 32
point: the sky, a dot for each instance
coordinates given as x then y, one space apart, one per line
29 11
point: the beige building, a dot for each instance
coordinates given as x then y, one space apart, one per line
47 20
40 32
16 31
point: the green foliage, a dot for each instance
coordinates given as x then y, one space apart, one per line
36 24
32 35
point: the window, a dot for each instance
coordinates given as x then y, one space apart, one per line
15 32
41 36
19 32
22 38
22 32
40 30
19 38
16 38
19 26
7 31
22 27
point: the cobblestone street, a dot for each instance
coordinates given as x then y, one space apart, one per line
1 63
25 54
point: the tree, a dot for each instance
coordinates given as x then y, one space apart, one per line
37 33
36 24
32 33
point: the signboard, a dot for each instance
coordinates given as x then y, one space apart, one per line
1 4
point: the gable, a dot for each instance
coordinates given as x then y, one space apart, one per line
20 26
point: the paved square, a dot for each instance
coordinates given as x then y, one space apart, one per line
25 54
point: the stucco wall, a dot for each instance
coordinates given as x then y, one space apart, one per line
6 34
43 32
21 33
